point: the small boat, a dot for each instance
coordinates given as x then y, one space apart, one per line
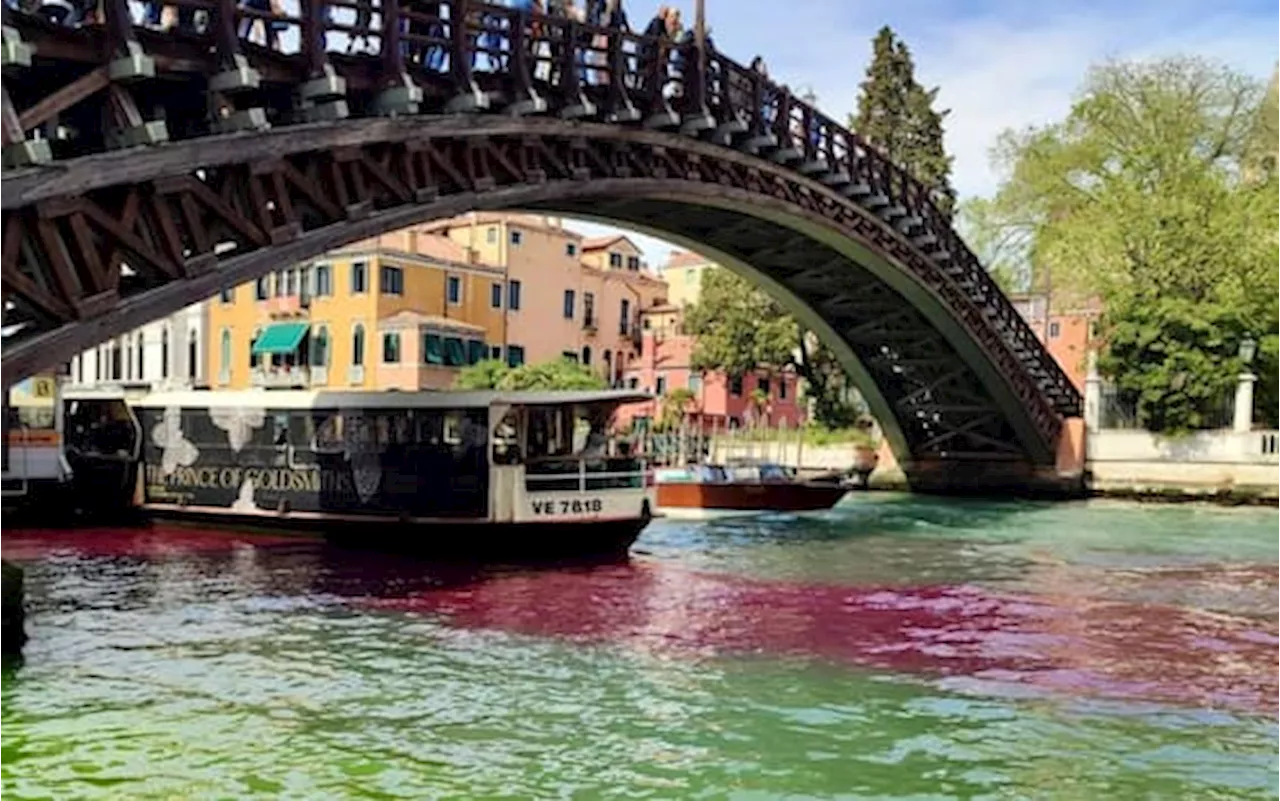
490 475
743 487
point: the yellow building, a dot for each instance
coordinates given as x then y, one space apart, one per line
683 274
405 310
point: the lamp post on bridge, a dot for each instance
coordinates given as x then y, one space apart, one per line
1242 417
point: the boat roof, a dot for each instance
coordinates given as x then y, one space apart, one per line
383 399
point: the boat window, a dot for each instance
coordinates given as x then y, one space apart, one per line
506 440
280 429
328 433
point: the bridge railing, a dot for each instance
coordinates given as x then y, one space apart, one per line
466 51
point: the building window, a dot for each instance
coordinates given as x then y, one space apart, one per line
164 352
662 385
228 294
391 348
633 263
359 277
193 355
513 295
588 308
280 283
432 349
615 259
391 280
80 369
141 350
357 345
735 386
633 383
128 362
1054 330
476 350
254 358
571 248
763 385
515 355
570 298
491 235
306 286
291 279
324 280
695 383
224 353
495 295
453 285
262 289
586 354
496 352
516 237
320 347
782 388
624 321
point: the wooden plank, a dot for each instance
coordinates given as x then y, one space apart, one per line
88 84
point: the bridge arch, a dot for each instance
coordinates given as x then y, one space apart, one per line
851 247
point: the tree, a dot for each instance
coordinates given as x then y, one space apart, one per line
1138 197
1001 244
558 374
482 375
896 114
740 329
675 404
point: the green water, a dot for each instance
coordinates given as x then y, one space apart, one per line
893 648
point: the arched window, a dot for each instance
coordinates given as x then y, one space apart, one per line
357 346
320 347
140 360
224 354
193 355
586 355
164 352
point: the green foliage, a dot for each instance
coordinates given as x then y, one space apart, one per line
1137 198
739 329
675 404
482 375
559 374
1177 360
896 114
1001 245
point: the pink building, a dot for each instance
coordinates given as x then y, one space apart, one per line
766 398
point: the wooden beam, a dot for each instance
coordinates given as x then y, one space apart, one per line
63 99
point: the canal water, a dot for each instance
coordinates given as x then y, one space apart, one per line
895 647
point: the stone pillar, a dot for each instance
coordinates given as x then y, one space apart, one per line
1092 394
1242 420
12 632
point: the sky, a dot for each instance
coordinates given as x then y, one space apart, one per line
999 63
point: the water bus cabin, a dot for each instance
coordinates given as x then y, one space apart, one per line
489 474
743 487
34 466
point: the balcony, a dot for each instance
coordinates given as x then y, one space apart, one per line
295 377
589 323
285 306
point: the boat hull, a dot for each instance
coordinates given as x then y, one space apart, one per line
478 541
753 497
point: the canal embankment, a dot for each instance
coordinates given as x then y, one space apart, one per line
13 632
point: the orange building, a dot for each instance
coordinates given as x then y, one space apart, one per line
1067 334
565 296
403 310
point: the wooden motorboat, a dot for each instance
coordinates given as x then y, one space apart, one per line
744 487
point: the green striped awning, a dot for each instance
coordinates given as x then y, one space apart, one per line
280 338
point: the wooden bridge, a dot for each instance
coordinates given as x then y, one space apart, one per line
147 168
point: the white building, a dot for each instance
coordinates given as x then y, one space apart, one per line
169 353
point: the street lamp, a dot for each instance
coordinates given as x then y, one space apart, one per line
1248 347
